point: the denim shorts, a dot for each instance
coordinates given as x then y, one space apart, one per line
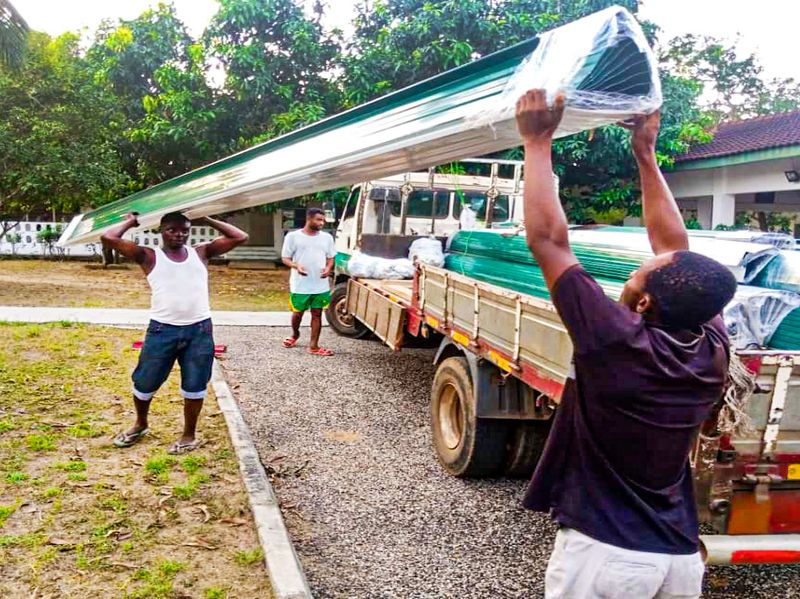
192 345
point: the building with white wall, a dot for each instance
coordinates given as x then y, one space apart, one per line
266 232
750 166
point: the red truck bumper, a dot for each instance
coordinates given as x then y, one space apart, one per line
752 549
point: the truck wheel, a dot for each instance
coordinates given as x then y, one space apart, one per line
526 443
465 445
336 314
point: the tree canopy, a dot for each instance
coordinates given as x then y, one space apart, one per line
146 101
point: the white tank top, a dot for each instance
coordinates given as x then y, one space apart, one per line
179 289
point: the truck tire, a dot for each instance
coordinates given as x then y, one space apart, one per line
344 324
526 443
467 446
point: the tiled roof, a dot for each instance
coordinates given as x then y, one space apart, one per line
737 137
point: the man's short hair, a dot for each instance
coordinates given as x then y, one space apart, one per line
690 290
312 212
173 218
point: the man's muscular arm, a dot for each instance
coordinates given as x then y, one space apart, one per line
665 227
113 239
545 222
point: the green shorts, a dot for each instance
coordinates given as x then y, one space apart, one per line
300 302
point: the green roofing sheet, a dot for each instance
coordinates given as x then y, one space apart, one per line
763 313
602 62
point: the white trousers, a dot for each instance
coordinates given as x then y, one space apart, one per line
582 568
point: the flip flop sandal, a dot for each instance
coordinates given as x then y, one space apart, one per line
320 351
179 448
123 440
289 342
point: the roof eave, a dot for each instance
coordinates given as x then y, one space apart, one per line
792 151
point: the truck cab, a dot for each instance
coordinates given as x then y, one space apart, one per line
384 216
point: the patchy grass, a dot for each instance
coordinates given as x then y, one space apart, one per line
6 511
248 558
88 285
80 517
73 466
41 442
192 464
16 477
52 492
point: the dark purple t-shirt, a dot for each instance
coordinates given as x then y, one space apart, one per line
616 465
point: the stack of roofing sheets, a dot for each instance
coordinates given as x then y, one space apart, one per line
783 273
610 256
602 62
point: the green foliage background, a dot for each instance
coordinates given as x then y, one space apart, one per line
145 101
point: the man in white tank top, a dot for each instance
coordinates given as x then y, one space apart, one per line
180 326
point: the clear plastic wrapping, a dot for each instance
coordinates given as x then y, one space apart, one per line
754 315
427 250
602 63
372 267
782 272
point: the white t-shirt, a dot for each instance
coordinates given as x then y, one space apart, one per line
311 252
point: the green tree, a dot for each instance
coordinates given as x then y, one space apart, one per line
278 67
735 85
57 131
157 72
400 42
13 34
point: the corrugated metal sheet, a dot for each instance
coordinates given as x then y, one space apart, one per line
464 112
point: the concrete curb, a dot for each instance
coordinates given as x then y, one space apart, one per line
284 568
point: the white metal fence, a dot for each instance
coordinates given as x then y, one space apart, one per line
30 245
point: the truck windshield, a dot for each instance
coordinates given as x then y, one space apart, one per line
478 201
426 203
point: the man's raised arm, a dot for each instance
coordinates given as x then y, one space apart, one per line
665 227
113 239
546 229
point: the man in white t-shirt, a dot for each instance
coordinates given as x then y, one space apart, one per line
309 252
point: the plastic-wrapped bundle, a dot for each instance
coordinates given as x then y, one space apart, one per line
782 272
614 253
599 260
603 63
525 278
745 260
427 250
755 316
752 317
782 241
372 267
787 334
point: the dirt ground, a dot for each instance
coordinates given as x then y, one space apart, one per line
89 285
80 518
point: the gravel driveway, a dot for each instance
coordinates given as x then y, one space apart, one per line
371 512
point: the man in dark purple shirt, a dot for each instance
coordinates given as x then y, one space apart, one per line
648 371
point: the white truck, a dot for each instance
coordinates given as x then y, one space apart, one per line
503 358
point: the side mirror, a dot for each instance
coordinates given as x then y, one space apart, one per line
330 212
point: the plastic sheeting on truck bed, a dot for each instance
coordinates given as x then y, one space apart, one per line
755 317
